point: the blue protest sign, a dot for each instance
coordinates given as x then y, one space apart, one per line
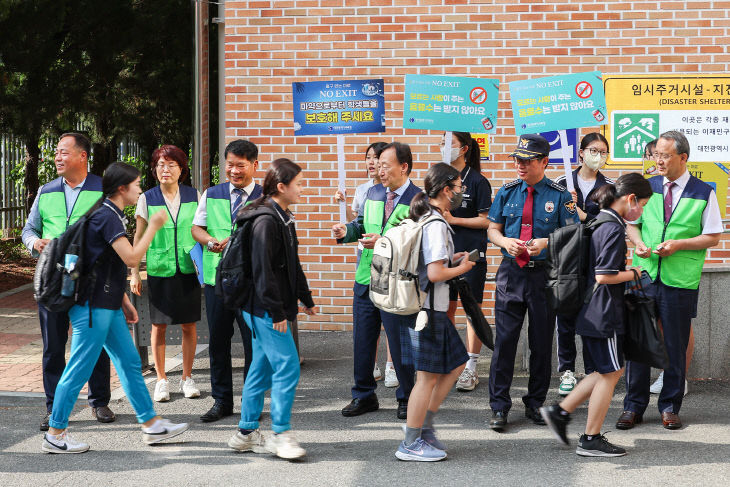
338 107
556 154
450 103
558 102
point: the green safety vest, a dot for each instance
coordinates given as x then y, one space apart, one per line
683 268
55 218
171 245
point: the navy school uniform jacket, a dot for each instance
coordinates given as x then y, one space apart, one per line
585 202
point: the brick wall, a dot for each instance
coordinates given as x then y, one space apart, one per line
270 44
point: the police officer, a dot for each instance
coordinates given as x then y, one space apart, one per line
57 206
385 206
523 214
212 228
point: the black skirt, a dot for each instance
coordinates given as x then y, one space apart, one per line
174 300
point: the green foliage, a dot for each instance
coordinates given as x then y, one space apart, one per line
46 167
215 171
11 249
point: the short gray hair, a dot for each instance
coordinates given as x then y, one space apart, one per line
681 144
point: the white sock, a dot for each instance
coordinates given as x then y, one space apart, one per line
388 365
472 363
155 427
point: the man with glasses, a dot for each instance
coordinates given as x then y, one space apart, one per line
212 227
56 207
523 214
680 222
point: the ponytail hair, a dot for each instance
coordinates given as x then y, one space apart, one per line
438 177
283 171
473 154
630 183
116 174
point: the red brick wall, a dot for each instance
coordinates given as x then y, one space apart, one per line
269 44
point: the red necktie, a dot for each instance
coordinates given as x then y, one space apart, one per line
668 202
389 205
526 230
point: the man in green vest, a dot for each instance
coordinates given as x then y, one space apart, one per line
680 221
212 227
58 205
385 206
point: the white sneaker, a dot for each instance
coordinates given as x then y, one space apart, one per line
567 383
377 374
391 379
284 445
656 387
253 441
162 391
62 443
187 387
468 380
167 430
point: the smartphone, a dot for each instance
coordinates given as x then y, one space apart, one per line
472 256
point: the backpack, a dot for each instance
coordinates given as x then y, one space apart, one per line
394 283
569 250
234 282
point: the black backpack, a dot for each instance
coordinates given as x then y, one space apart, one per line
569 250
234 282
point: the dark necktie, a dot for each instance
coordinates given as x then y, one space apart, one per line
390 204
237 202
668 202
526 230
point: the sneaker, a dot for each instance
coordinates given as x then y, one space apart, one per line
168 430
468 380
558 423
391 379
429 436
567 383
187 387
285 445
253 441
377 374
598 446
656 387
419 451
686 388
162 391
62 443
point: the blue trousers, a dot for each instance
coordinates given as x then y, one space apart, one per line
220 333
520 290
366 331
676 307
54 330
566 342
110 332
275 366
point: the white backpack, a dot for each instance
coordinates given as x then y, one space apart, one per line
394 283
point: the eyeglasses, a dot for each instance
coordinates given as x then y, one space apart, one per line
660 156
524 162
169 167
594 152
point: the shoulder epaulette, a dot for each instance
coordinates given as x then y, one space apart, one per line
558 186
512 183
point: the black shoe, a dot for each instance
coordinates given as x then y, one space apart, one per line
218 411
103 414
557 422
402 409
360 406
499 420
598 446
44 422
534 415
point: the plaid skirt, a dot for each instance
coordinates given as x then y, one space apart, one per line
437 348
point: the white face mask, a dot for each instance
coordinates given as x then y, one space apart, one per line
593 162
452 153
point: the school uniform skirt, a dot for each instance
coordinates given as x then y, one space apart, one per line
174 300
437 348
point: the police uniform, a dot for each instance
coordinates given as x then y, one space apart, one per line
522 289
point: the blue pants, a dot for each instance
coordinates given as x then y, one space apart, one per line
520 290
366 331
54 330
676 307
110 332
566 342
275 366
220 332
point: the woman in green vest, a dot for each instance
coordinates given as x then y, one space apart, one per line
174 290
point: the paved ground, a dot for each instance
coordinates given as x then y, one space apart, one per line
359 451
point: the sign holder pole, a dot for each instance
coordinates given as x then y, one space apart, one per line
447 147
566 160
341 175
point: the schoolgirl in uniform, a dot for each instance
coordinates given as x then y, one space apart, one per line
469 222
101 321
437 351
174 290
601 321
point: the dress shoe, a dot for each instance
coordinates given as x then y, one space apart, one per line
216 412
628 420
498 421
44 422
535 416
103 414
671 421
360 406
402 409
